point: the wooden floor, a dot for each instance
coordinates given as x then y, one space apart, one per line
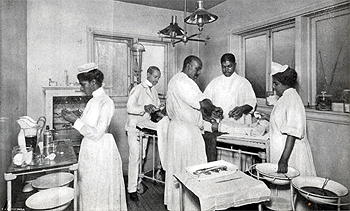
151 200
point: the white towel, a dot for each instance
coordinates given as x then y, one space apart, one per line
162 133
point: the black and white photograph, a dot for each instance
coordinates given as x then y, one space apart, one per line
174 105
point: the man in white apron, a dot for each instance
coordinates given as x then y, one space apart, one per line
143 100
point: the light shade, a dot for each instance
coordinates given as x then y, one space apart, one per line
173 29
200 17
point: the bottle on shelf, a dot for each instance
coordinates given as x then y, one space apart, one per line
48 139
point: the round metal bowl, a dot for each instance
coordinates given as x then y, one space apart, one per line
300 182
53 199
60 179
268 172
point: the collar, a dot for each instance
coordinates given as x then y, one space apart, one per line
233 76
287 91
98 92
148 83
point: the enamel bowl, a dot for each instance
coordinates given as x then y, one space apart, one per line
53 199
60 179
268 172
317 182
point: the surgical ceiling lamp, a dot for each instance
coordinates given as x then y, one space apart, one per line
200 17
177 34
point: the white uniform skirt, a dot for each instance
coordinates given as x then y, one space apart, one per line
101 183
186 147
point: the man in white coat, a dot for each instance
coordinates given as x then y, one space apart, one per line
143 100
185 142
232 92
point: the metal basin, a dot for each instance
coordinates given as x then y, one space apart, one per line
268 172
338 189
53 199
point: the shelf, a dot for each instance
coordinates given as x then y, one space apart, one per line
60 88
316 115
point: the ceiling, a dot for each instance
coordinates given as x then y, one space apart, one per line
175 4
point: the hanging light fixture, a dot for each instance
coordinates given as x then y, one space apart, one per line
177 34
173 30
200 17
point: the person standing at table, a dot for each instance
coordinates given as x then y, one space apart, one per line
288 139
289 145
143 101
101 182
233 93
185 142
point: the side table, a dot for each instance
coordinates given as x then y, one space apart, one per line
65 160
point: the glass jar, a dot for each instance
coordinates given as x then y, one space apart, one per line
346 100
324 102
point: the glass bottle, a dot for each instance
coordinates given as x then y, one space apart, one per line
324 102
48 139
346 100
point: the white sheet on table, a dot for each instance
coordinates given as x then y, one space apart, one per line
234 193
258 128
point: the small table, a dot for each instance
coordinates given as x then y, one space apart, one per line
238 191
65 159
147 129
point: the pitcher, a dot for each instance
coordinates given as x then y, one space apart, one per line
32 131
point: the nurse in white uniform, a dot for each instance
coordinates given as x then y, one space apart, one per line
289 145
101 183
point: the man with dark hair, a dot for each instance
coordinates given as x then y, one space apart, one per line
185 142
233 93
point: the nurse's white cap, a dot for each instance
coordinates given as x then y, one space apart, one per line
87 67
277 68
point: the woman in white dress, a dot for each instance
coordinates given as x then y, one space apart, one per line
289 145
101 183
288 138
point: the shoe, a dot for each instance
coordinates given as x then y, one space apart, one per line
133 196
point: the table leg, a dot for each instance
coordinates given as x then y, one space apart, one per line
239 159
153 155
292 200
9 195
181 197
75 190
267 145
139 184
260 207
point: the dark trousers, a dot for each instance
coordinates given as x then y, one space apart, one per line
210 145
